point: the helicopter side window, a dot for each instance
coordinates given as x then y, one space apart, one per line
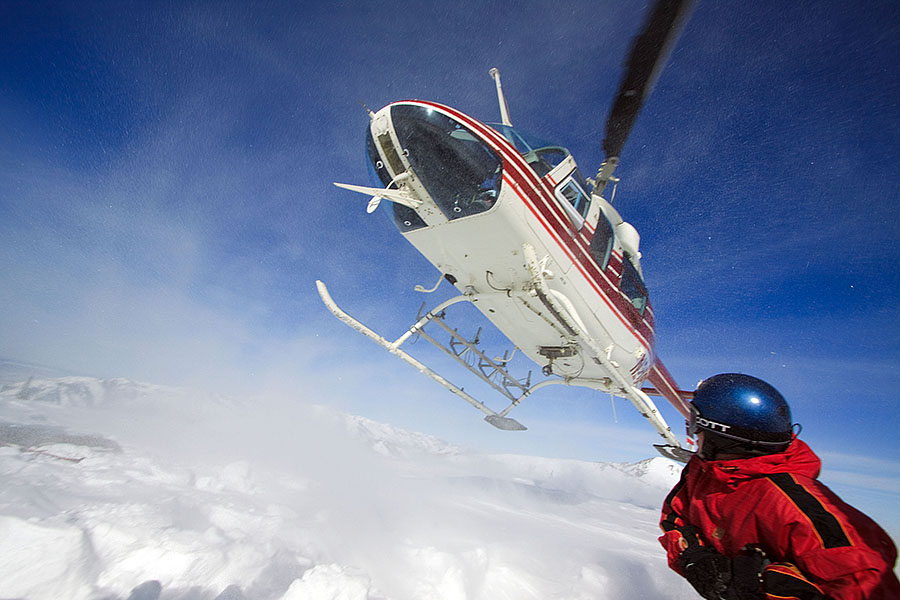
576 197
574 201
544 159
552 155
602 242
540 154
633 285
512 136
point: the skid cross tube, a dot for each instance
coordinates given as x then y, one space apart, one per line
484 362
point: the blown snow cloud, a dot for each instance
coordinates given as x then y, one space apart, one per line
118 489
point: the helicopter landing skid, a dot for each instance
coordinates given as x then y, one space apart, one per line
491 371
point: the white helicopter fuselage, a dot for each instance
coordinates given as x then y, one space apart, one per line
524 218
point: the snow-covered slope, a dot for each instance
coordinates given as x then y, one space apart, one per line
115 489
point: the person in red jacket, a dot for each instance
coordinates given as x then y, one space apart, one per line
749 518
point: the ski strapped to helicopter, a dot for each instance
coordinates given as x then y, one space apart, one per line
511 223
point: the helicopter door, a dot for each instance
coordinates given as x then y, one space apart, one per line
602 242
633 286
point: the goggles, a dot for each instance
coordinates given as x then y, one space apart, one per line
693 413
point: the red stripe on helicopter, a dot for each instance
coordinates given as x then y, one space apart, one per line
556 223
550 208
664 383
553 219
611 294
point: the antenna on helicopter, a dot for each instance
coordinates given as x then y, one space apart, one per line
368 110
649 53
504 107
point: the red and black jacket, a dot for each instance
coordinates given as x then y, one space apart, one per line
820 546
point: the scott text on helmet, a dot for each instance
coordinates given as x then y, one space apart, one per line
712 424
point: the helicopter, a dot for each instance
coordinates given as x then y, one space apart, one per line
510 221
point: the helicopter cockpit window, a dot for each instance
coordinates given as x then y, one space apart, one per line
602 242
540 154
633 285
405 218
461 173
576 197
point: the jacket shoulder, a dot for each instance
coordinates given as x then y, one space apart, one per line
806 500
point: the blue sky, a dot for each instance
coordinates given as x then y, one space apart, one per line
166 201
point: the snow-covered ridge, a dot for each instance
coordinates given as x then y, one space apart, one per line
89 391
392 441
117 489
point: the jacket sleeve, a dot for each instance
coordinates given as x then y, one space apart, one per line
817 537
672 523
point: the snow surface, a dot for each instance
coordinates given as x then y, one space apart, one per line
114 489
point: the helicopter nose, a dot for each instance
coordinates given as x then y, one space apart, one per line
460 172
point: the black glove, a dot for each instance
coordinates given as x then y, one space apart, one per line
707 570
747 572
717 577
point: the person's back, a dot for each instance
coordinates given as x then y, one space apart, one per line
749 518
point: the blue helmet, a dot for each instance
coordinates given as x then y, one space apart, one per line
740 414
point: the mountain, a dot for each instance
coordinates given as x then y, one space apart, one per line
116 489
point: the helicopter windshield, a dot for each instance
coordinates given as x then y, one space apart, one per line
461 173
540 154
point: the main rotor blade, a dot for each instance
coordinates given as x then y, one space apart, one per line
648 55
